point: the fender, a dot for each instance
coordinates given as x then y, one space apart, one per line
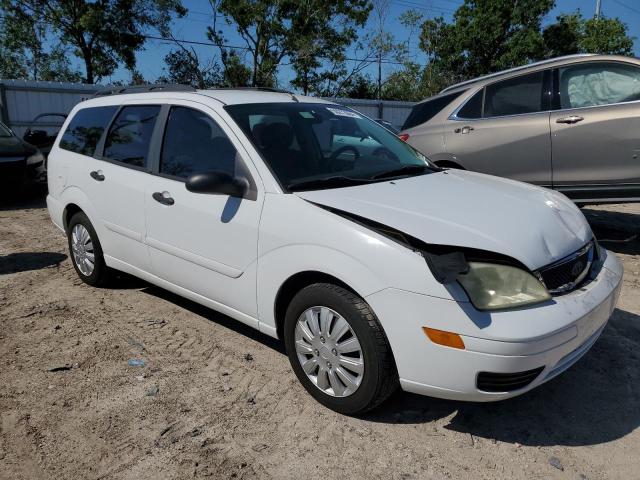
75 195
276 266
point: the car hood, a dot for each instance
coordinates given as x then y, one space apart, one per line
534 225
14 147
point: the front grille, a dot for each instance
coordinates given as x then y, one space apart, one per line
566 274
506 382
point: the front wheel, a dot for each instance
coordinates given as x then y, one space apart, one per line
338 350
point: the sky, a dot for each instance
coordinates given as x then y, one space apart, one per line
150 61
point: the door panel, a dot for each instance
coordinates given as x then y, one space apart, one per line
516 147
206 243
595 138
505 132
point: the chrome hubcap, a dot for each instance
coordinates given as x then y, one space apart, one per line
82 249
329 351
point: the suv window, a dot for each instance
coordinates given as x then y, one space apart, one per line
523 94
86 128
473 107
425 111
193 142
592 84
129 137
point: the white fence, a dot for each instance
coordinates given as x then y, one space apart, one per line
22 100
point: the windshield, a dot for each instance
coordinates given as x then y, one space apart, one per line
4 131
310 145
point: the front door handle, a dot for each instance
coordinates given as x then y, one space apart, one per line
571 119
465 129
97 175
163 197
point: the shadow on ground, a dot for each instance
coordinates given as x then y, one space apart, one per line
616 231
26 261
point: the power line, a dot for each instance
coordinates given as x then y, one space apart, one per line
627 6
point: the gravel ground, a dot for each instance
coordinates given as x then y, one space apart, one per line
217 399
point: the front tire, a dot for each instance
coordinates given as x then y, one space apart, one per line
86 251
338 350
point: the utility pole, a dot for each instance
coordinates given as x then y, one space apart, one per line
597 8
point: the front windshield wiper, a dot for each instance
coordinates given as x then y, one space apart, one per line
327 182
404 170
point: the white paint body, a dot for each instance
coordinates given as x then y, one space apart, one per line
237 265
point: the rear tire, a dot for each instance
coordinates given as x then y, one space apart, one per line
351 372
86 252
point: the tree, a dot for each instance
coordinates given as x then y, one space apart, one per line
485 36
103 33
185 67
573 34
309 32
22 39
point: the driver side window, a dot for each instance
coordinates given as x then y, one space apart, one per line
193 143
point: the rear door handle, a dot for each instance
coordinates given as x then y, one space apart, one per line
571 119
163 197
465 129
97 175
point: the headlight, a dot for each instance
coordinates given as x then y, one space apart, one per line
492 286
35 158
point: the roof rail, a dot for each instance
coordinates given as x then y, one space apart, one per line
516 69
159 87
260 89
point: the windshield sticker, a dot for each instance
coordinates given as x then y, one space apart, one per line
343 113
306 115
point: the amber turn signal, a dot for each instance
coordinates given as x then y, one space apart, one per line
441 337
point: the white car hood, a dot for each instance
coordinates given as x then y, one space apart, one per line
534 225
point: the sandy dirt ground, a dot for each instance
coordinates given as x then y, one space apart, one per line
216 399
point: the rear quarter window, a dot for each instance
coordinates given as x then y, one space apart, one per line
86 128
425 111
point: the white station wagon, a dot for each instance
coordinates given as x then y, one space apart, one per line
316 225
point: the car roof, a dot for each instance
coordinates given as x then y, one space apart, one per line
543 64
225 96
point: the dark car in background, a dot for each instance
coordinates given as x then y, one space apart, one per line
19 161
47 126
570 123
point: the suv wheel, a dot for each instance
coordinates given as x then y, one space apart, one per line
338 349
86 252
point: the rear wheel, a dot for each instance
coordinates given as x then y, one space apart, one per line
338 349
86 251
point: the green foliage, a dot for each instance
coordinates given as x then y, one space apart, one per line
184 67
573 34
102 33
308 32
486 36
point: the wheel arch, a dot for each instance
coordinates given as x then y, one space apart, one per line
296 283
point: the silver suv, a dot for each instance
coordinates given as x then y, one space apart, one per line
571 123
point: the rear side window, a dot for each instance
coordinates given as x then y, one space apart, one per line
86 128
425 111
194 143
473 107
129 137
523 94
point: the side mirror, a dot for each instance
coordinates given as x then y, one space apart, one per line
217 182
35 137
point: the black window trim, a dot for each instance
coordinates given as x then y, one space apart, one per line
556 84
99 151
455 94
546 87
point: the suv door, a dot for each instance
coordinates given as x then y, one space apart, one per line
503 129
204 243
595 141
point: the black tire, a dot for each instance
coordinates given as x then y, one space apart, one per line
101 274
380 378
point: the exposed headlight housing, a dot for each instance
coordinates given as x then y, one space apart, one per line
35 158
492 286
